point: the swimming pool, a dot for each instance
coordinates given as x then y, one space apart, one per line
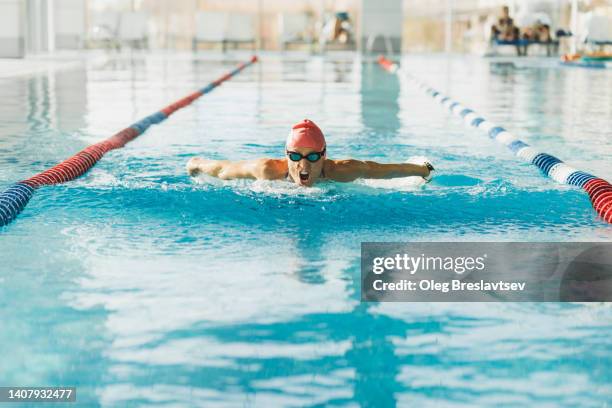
141 286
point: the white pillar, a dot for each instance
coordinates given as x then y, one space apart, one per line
40 25
50 25
381 25
574 27
12 29
260 20
69 23
448 31
36 32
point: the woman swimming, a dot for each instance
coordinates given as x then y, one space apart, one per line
306 163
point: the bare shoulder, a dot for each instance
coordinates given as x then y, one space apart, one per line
271 169
331 167
343 169
338 164
194 161
341 165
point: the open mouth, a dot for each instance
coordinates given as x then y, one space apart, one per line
304 175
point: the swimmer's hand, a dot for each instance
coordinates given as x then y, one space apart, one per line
262 169
431 169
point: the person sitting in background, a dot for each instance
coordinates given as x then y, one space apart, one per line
338 29
342 28
544 34
539 33
505 30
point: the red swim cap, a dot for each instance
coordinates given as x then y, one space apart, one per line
306 134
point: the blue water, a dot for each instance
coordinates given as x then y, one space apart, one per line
142 287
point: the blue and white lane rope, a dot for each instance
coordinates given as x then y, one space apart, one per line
599 190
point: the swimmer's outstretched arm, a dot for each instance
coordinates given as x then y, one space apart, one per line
262 169
349 170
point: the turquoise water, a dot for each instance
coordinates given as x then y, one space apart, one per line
141 286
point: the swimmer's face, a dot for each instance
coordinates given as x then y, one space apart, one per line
304 172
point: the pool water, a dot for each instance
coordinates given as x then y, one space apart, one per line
141 286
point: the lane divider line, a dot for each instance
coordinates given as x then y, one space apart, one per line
599 190
14 199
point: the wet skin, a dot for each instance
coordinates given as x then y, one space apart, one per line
303 172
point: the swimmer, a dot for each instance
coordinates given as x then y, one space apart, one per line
306 163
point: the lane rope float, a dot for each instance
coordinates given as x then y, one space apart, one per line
14 199
598 189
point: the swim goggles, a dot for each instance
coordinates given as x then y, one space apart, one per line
311 157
